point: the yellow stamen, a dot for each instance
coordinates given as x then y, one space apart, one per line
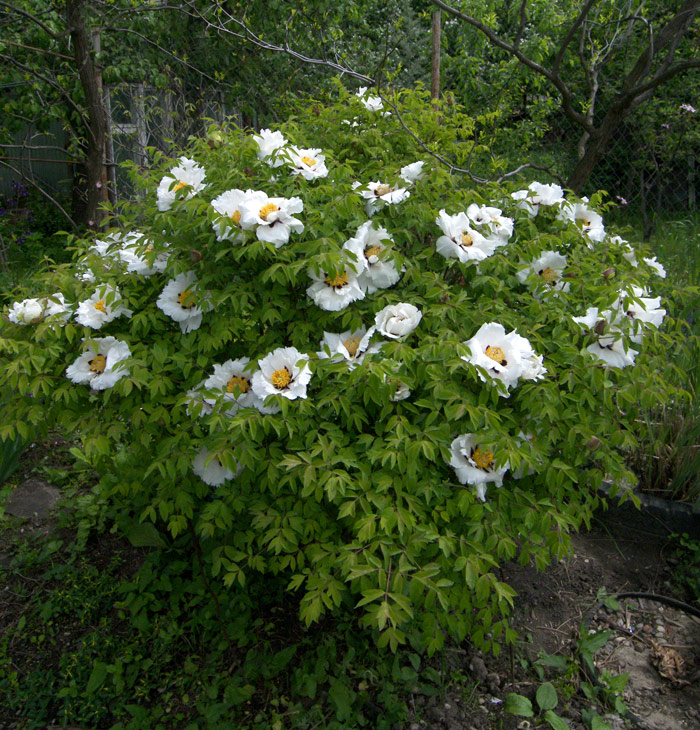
100 306
308 161
267 209
339 281
281 378
372 251
549 275
483 459
352 345
179 186
467 240
243 384
149 247
382 190
98 364
186 299
236 216
497 354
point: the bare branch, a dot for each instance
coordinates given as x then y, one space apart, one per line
54 148
554 79
246 34
644 91
38 50
570 35
33 19
50 82
523 23
673 30
171 55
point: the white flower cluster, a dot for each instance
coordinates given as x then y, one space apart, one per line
33 311
473 235
587 220
276 151
366 269
625 319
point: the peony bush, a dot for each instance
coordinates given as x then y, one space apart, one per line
325 356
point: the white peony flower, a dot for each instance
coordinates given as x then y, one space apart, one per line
271 217
211 471
182 301
233 381
548 269
640 308
397 320
334 292
188 174
413 172
100 365
197 403
28 311
491 220
474 465
269 145
137 253
230 206
367 245
281 374
504 357
350 347
378 194
538 194
586 219
372 103
102 307
461 241
56 306
609 345
309 163
614 354
400 391
654 264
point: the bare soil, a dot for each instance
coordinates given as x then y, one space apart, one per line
626 551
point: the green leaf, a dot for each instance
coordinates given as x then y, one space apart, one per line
546 696
516 704
556 722
144 534
97 677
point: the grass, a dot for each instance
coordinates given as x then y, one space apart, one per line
667 459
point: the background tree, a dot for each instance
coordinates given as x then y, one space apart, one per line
600 58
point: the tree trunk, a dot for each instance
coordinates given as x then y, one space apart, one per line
595 149
95 135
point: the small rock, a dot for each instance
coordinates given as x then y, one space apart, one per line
478 669
33 499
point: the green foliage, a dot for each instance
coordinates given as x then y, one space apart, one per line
687 571
573 674
345 494
27 236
